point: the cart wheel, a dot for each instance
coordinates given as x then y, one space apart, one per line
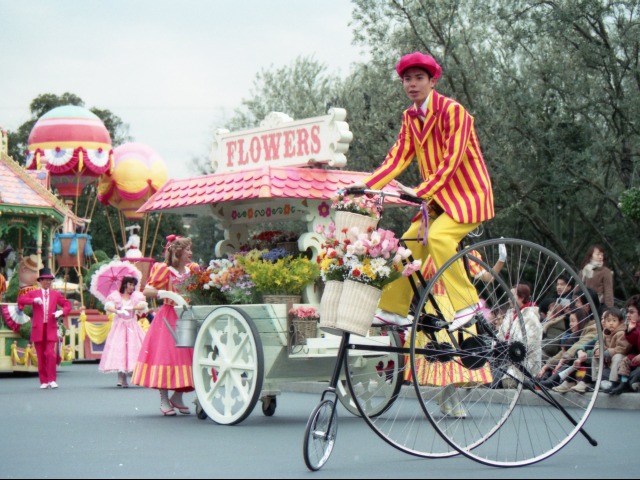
510 419
269 405
377 378
320 435
228 366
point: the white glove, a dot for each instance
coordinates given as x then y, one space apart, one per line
502 252
123 313
37 301
58 313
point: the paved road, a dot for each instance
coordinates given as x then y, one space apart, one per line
88 428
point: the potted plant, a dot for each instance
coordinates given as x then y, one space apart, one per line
356 211
282 280
304 323
333 272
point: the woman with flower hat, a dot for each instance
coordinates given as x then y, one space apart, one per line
162 365
440 134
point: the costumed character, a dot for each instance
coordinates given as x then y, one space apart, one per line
440 133
132 246
125 338
28 274
162 365
44 327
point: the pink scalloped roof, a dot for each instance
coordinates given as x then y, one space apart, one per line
15 189
266 183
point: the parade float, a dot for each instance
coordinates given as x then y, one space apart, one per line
29 214
72 144
284 170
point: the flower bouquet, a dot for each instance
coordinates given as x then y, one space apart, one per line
228 276
223 282
195 288
359 211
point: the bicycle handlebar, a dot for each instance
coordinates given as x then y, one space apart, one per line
401 196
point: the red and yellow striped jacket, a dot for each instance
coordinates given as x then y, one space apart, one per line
449 157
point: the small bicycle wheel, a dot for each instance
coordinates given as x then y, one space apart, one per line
320 435
510 419
376 368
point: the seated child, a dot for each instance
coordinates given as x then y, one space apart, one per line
616 348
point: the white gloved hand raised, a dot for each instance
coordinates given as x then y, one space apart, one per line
37 301
502 252
58 313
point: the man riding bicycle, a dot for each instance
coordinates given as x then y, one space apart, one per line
441 134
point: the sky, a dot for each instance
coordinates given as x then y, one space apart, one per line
173 71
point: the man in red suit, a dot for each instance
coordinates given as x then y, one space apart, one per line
44 325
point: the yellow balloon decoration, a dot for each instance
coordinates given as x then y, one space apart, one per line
138 172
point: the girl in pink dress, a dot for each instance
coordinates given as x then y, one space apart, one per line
123 344
162 365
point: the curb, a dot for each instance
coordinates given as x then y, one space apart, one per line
626 401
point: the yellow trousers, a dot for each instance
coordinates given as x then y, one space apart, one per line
444 236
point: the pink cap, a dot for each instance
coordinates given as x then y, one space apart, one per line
420 60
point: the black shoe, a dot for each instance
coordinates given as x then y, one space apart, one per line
613 386
552 381
620 389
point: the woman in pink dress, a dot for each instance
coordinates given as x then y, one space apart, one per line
162 365
123 344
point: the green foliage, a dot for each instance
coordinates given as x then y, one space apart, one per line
13 287
630 204
287 276
25 331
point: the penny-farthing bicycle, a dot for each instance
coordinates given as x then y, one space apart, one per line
475 391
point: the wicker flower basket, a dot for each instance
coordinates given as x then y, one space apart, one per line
348 220
329 307
304 329
286 299
357 307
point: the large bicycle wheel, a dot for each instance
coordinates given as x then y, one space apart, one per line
511 419
320 435
375 369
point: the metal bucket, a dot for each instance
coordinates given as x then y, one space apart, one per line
186 330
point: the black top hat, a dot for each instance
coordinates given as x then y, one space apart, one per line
45 274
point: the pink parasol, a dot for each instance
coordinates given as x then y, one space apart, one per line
108 278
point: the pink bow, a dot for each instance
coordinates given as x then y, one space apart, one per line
170 239
416 113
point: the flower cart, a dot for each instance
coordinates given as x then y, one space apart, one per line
245 353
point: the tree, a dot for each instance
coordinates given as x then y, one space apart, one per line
554 89
302 90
